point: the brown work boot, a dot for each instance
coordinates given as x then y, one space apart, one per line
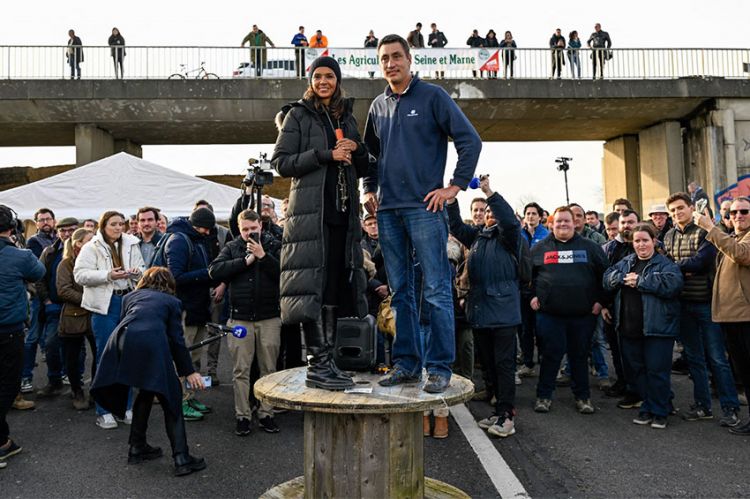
21 404
426 425
81 401
441 427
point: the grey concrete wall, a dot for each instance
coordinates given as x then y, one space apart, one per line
621 172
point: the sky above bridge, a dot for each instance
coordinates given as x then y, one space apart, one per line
520 171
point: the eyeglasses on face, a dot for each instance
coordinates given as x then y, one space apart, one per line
743 211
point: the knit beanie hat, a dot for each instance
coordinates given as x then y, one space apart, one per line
203 217
325 62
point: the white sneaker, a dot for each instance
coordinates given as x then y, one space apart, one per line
106 422
518 379
65 380
487 422
506 428
526 372
128 418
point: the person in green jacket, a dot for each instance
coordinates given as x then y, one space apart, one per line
257 38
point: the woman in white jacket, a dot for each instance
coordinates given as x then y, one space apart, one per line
108 267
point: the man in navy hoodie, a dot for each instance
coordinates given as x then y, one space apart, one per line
17 267
407 131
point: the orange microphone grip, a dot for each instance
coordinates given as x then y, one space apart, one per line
339 134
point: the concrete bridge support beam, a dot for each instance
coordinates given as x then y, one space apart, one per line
128 146
621 173
92 143
661 162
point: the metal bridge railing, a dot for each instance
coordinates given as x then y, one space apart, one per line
162 62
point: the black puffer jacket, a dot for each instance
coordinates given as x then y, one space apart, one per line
303 252
253 290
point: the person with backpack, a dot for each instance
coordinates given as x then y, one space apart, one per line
184 252
494 301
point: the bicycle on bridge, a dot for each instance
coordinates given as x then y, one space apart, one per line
200 73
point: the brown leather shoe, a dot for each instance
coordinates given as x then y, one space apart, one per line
441 427
426 426
21 404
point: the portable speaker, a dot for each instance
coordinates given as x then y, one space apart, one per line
356 344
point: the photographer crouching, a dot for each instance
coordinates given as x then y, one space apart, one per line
250 264
494 301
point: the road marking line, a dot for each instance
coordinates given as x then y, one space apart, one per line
505 481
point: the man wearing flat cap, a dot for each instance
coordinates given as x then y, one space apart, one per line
46 290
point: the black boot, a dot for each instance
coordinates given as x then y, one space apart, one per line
184 464
329 327
321 371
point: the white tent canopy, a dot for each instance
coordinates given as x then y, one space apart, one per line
120 182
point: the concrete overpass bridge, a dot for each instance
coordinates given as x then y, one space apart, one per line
658 133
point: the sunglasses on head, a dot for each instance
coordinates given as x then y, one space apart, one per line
743 211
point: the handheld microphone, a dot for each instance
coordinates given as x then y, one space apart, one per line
238 332
476 181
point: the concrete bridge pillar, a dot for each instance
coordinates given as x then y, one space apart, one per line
661 163
621 173
92 143
128 146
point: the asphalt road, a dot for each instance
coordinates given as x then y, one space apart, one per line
560 454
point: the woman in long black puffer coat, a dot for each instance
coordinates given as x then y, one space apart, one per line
322 277
147 351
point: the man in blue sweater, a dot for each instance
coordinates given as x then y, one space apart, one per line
17 267
407 131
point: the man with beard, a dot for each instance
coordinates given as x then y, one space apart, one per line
44 237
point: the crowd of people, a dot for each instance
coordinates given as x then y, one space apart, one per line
518 289
257 40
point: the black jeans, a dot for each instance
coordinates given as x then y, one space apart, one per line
11 364
174 424
497 346
72 350
527 332
614 348
737 338
600 56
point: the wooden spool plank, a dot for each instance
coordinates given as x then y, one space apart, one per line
375 467
287 389
407 475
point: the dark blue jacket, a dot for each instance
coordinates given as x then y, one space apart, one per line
17 267
494 298
144 351
660 285
408 135
190 271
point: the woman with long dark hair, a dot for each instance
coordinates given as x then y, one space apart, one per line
491 41
108 267
147 351
117 42
75 321
509 53
322 277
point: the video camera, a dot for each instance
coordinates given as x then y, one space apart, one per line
260 172
563 164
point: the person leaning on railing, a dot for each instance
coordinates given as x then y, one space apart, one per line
257 40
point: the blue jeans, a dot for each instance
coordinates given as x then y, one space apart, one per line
704 347
34 337
560 335
598 352
103 326
54 347
648 365
403 233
